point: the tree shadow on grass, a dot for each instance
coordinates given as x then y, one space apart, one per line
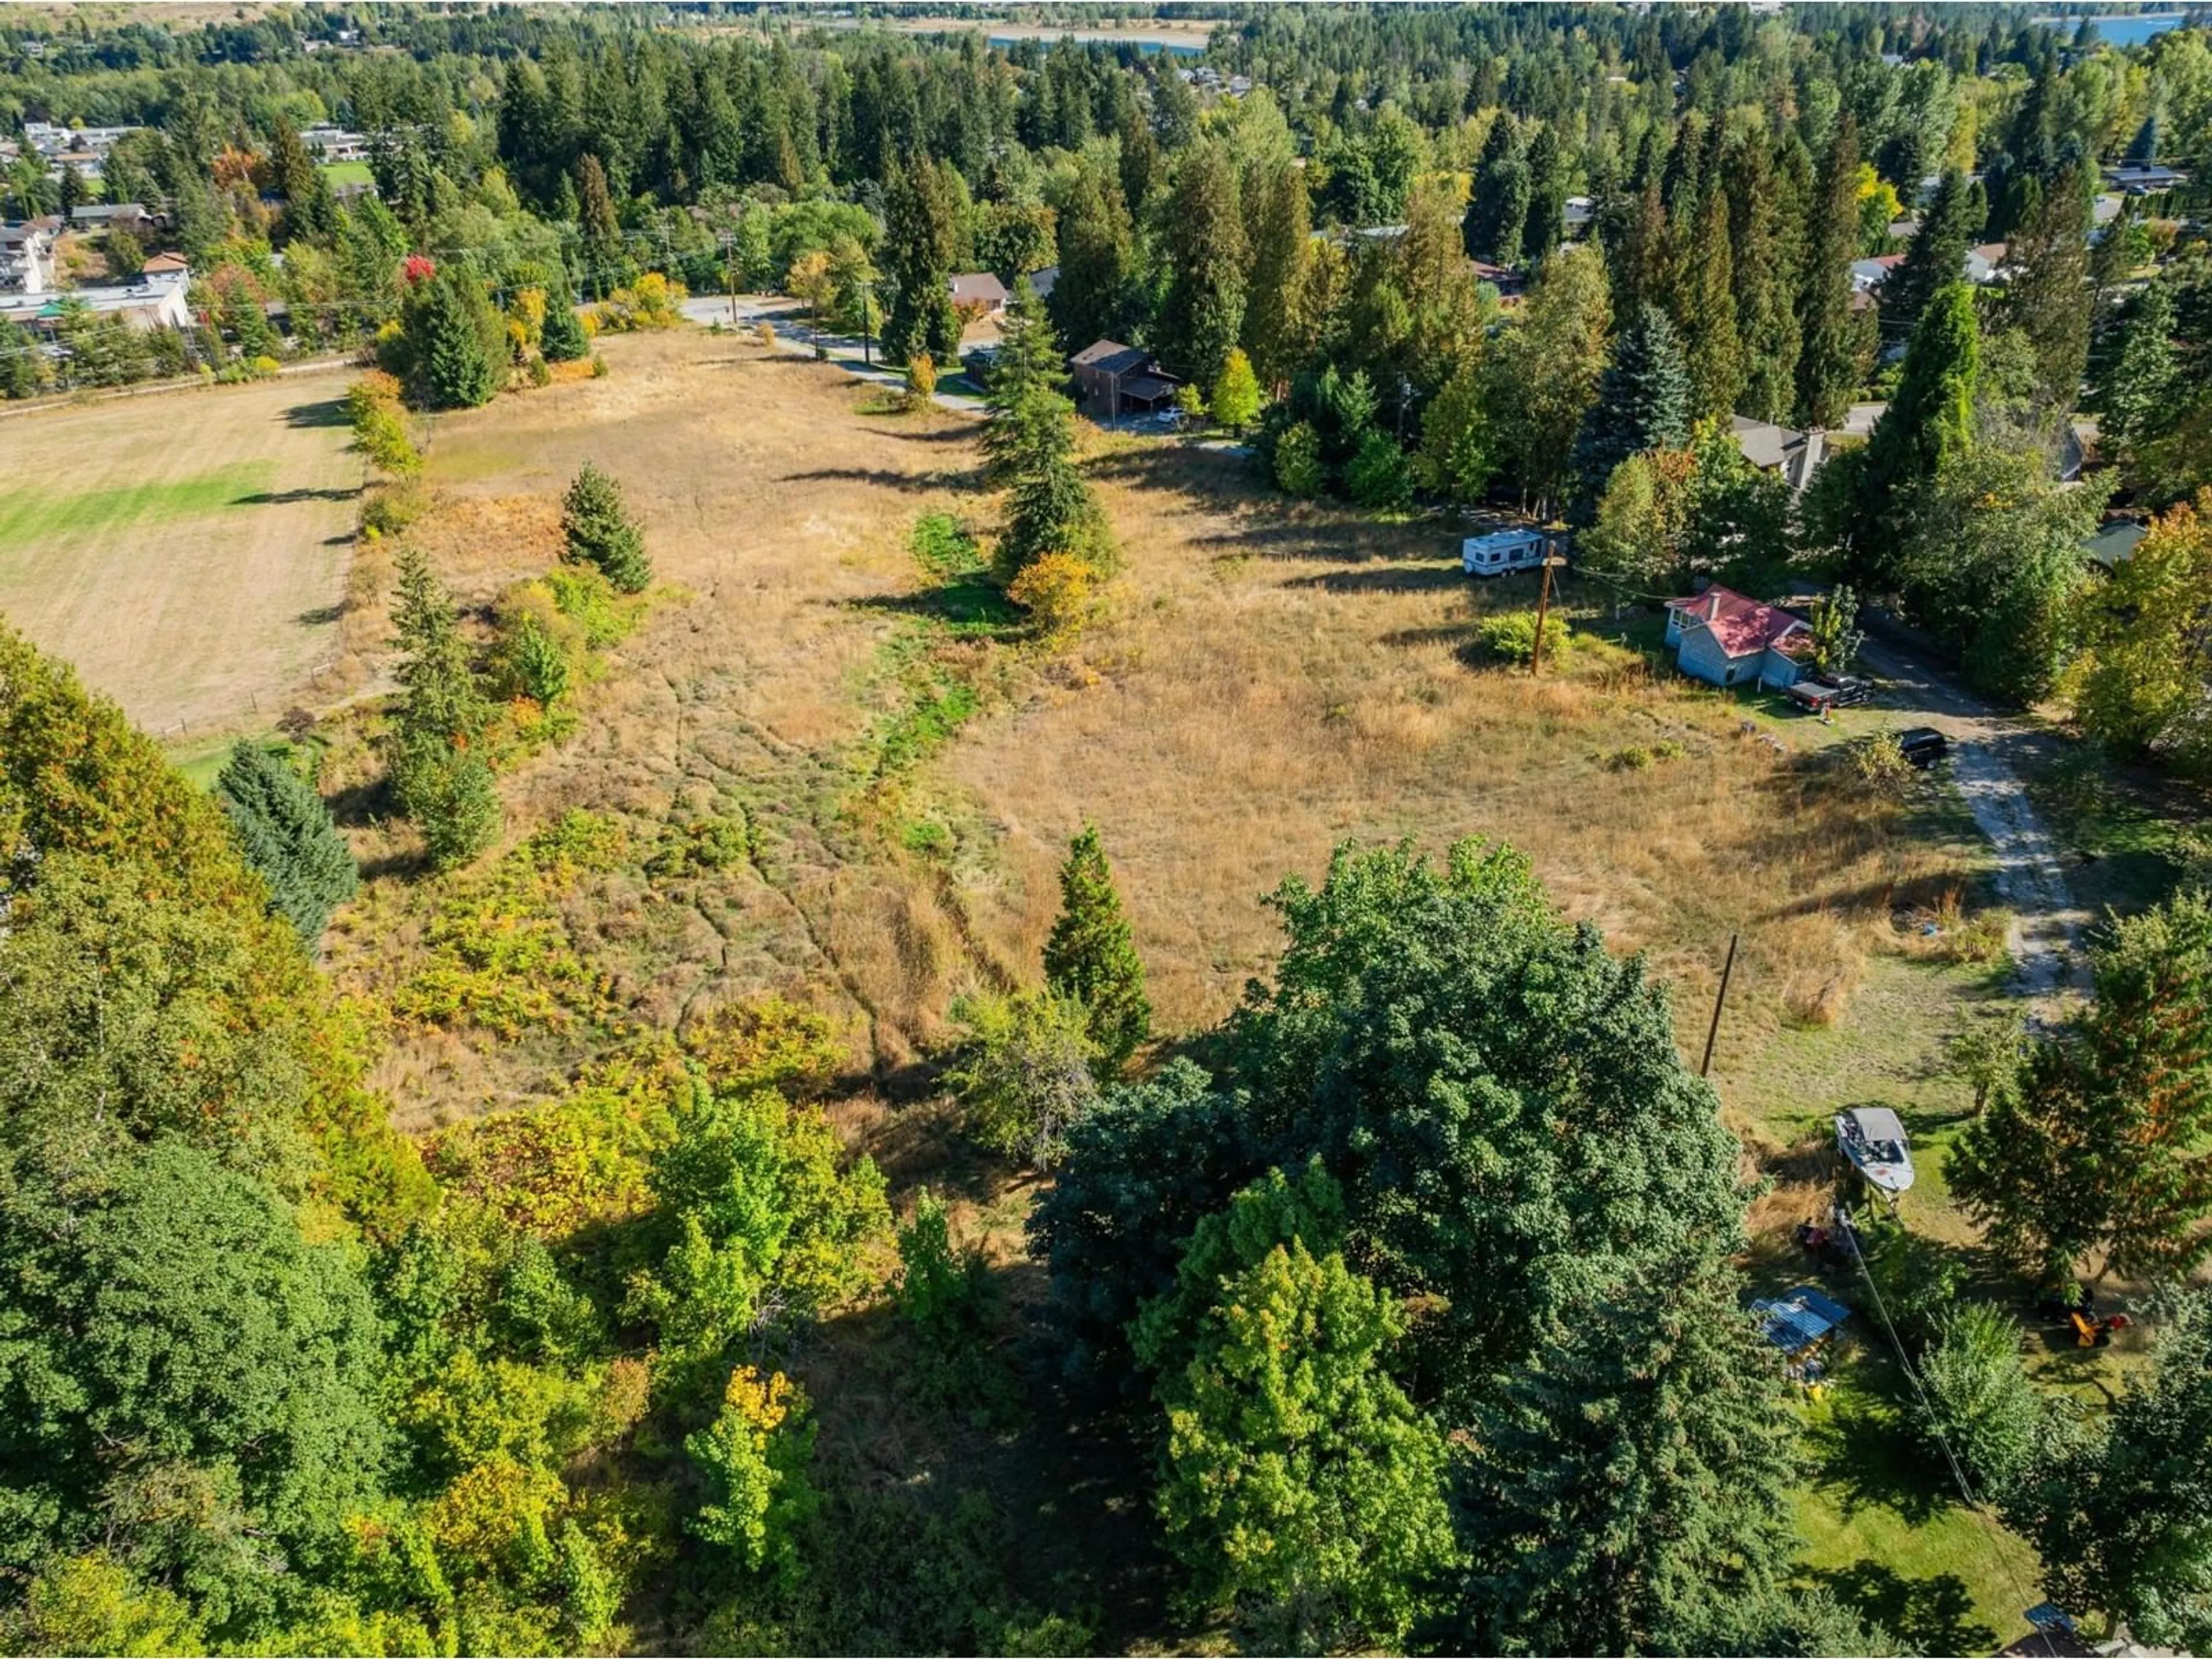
288 497
1933 1614
914 482
331 411
1394 579
1865 1456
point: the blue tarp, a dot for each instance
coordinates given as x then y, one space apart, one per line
1797 1320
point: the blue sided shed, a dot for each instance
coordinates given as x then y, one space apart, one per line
1799 1321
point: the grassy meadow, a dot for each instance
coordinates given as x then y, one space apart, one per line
887 779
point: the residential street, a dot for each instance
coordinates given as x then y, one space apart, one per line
793 335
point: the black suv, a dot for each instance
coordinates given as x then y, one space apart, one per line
1923 746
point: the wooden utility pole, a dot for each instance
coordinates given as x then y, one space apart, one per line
1543 606
1719 1002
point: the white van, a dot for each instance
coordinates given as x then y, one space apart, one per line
1503 550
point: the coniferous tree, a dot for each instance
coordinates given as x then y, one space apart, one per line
286 832
1090 299
1202 311
1546 223
1764 224
2142 387
294 167
1710 340
563 340
454 354
1234 401
1828 359
1278 331
1092 957
1497 207
1934 258
2048 297
919 241
1644 401
1928 422
2116 1510
1028 360
2089 1151
439 773
1636 1471
597 529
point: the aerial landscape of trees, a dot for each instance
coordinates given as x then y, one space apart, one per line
1405 1305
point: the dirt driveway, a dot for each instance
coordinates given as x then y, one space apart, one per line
2045 936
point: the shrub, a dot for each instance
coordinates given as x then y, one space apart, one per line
1979 1398
598 367
1025 1071
652 301
1058 592
770 1043
1634 758
1511 636
540 373
766 334
753 1461
379 430
946 1294
1878 764
1299 470
920 380
1379 475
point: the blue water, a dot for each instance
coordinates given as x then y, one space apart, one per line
2122 31
1046 38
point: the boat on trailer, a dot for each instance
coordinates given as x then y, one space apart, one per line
1874 1141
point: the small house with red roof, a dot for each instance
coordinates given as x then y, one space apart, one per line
1721 636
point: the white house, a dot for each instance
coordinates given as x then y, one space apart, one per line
27 257
1723 637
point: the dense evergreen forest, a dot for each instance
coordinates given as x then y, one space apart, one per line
1412 1293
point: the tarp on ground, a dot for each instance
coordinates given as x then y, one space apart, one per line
1798 1319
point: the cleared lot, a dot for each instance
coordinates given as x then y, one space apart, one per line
186 550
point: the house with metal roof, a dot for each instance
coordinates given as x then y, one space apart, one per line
1725 638
1118 379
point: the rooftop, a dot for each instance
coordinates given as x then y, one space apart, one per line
1741 627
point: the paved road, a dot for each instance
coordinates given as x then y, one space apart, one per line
794 336
2046 936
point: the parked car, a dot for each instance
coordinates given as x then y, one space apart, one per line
1923 746
1843 691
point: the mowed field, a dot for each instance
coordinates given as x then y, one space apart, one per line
186 550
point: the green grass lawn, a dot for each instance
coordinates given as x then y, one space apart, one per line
348 172
1884 1530
31 516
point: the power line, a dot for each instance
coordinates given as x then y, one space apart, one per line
1927 1411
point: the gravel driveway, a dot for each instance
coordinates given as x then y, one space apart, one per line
2045 935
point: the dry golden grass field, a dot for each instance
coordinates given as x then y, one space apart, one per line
1269 678
186 550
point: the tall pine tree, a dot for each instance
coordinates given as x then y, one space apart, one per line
596 530
1203 244
919 235
1928 422
1828 360
2048 297
1935 257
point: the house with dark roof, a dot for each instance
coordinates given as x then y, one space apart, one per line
1791 455
1725 638
1118 379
